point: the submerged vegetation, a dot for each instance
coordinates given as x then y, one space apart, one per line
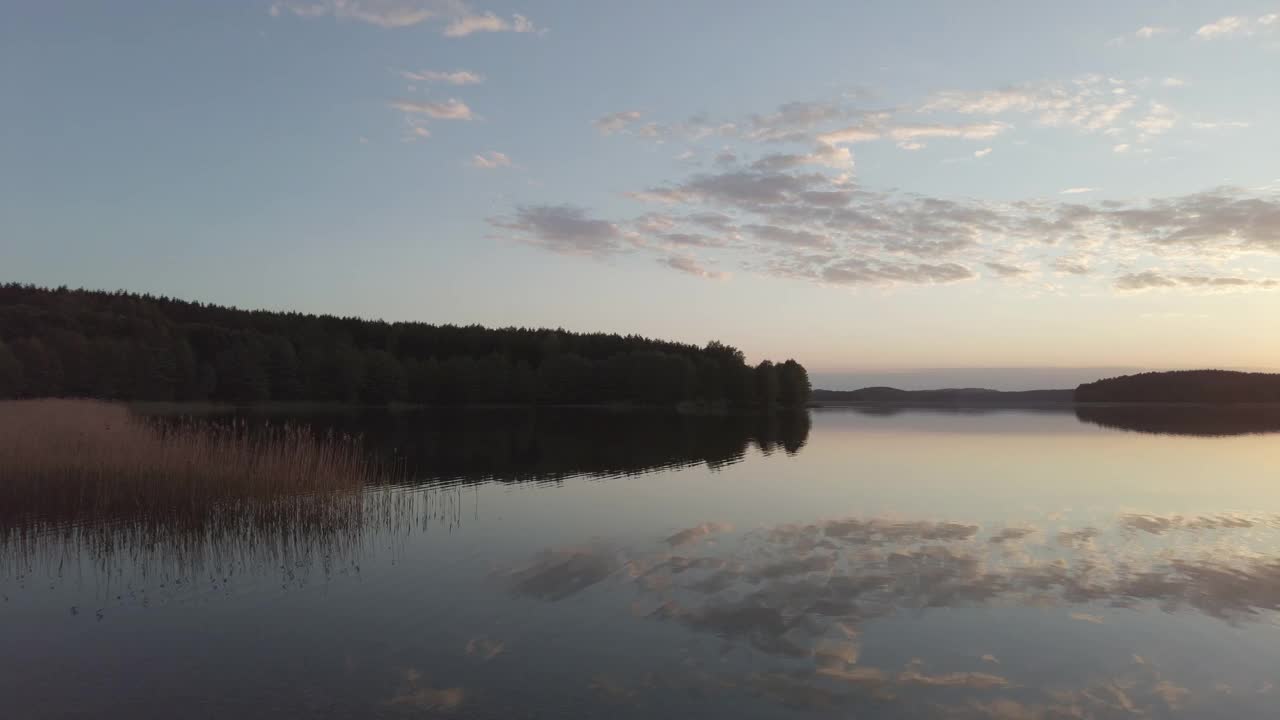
122 346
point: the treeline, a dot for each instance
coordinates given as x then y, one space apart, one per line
952 396
1197 386
125 346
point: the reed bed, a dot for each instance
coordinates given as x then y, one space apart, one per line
89 478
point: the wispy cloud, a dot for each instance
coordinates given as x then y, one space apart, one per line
686 264
455 16
456 77
1220 125
450 109
1158 120
1239 26
1146 32
1225 27
488 22
1077 190
1151 280
982 153
616 122
565 229
1005 270
1089 103
490 160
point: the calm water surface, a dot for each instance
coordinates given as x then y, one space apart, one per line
849 563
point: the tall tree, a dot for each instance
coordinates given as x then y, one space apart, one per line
766 384
793 384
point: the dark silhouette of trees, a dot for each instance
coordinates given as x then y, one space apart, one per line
793 384
1186 386
766 383
11 381
125 346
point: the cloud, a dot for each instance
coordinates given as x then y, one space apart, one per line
616 122
1224 27
1226 124
856 271
460 20
1146 32
383 13
490 160
1089 103
1158 120
825 155
791 237
417 132
1121 148
686 264
488 22
982 153
564 229
457 77
1150 279
801 216
1172 82
790 121
1006 271
450 109
977 131
746 189
1071 266
1239 26
852 134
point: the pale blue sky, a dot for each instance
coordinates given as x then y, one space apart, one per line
863 186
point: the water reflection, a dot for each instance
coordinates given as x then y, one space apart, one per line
804 595
1205 421
514 445
255 527
729 588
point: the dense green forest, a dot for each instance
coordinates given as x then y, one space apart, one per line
1205 386
125 346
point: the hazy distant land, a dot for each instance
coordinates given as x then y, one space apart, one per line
1180 386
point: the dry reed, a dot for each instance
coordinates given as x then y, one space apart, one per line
88 475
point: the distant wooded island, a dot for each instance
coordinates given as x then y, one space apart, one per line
1184 386
1178 386
944 396
126 346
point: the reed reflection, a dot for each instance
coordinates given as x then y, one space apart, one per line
91 485
515 445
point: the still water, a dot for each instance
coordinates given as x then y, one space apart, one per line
1107 563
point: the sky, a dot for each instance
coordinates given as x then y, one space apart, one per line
910 189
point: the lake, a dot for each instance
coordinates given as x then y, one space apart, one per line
847 562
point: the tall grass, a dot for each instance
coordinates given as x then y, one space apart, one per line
86 475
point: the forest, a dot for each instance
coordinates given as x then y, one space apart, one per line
134 347
1185 386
